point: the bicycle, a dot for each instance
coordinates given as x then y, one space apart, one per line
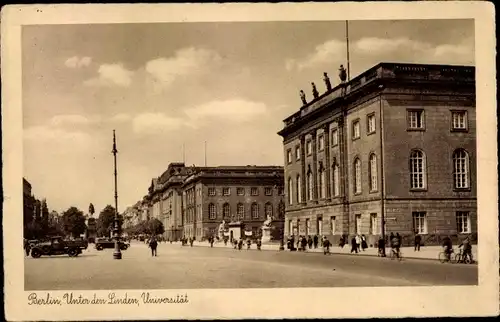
444 257
461 257
396 254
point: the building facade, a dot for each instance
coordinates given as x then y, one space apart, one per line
393 150
233 202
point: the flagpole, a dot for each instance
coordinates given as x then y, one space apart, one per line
205 153
347 41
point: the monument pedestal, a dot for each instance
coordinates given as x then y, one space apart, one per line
266 234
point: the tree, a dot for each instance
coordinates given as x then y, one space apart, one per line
155 227
45 217
28 215
38 211
73 222
105 222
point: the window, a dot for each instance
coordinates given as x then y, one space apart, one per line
459 120
226 211
211 211
290 227
269 210
461 169
255 211
322 186
319 224
463 222
308 226
336 183
415 119
289 156
268 191
310 186
333 223
358 224
240 210
419 222
226 191
373 224
371 124
211 191
290 191
357 176
309 147
335 137
199 192
254 191
297 152
417 170
373 173
321 142
356 133
240 191
299 189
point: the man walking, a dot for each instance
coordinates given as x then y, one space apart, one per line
153 244
418 239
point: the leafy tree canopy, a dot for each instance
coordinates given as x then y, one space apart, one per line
73 222
105 222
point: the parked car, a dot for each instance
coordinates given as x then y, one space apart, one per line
58 246
102 243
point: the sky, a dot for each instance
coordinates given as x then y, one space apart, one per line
169 85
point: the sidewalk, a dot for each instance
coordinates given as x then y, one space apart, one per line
427 252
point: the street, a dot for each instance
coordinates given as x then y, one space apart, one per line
178 267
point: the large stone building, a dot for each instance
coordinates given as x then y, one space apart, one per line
234 201
395 146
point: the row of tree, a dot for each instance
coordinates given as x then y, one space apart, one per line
147 227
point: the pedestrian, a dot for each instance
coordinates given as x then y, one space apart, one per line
259 243
249 243
303 243
381 247
298 242
341 242
400 239
354 245
153 244
211 242
240 244
310 242
26 247
326 246
358 242
364 245
315 241
418 239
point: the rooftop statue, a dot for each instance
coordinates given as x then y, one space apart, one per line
315 91
303 97
327 81
342 74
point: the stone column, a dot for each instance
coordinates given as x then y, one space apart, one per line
326 134
314 142
303 168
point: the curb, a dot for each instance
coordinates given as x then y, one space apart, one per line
333 253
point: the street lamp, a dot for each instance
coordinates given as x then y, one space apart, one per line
117 254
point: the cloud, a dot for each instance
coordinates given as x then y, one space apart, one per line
185 62
325 53
52 135
78 62
120 118
112 75
154 123
69 119
235 110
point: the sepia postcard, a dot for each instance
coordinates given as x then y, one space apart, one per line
241 161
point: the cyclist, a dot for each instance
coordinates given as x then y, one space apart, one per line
467 248
395 243
448 247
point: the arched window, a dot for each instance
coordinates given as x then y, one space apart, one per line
336 178
290 191
269 210
461 169
211 211
240 211
226 211
357 175
321 183
310 186
417 170
255 211
299 189
373 173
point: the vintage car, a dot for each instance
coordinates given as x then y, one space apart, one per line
102 243
58 246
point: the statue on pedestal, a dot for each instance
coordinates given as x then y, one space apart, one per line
342 74
315 91
222 229
327 81
266 229
303 97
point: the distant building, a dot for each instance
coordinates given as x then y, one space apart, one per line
398 143
241 197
